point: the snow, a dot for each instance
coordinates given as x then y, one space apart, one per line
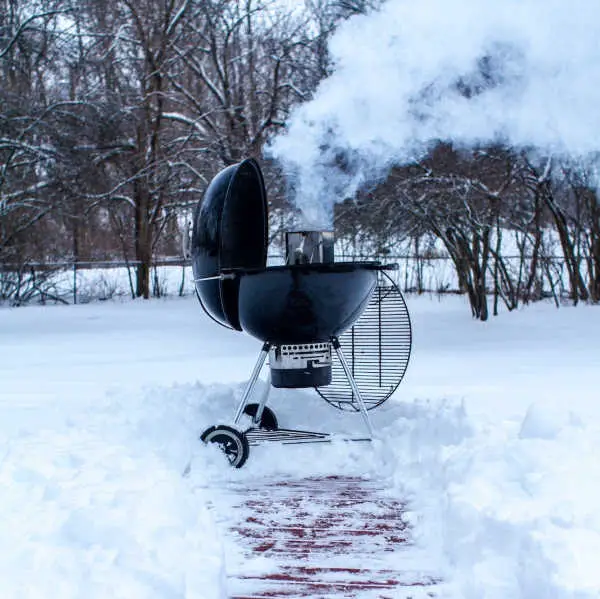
492 439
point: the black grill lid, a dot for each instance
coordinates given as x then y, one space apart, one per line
230 231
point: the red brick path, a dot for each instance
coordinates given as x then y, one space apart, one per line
325 538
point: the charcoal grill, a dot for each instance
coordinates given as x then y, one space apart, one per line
308 313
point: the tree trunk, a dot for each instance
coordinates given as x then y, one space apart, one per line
595 279
594 251
419 265
535 256
143 240
482 266
576 282
468 268
496 265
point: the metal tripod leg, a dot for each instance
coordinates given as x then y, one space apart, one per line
361 404
252 382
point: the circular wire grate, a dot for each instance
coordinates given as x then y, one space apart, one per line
377 349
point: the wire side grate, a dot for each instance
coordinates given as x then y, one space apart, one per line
377 349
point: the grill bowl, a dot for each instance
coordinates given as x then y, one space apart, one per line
304 303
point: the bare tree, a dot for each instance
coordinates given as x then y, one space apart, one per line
29 40
581 208
552 192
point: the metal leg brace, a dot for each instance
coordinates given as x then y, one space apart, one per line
361 404
251 383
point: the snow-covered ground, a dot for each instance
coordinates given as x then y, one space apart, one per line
493 437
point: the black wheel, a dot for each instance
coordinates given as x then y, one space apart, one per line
232 442
268 420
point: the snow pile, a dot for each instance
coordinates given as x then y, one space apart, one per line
531 500
471 71
515 508
95 506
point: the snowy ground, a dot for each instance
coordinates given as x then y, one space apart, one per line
493 437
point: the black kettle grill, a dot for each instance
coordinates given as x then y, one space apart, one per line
300 311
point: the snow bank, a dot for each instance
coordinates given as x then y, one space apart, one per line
96 507
515 513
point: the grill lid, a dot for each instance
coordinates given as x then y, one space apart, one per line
230 231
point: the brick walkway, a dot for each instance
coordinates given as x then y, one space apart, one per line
324 538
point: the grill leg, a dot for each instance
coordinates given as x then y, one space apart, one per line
361 404
263 402
251 383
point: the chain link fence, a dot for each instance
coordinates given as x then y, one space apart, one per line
71 282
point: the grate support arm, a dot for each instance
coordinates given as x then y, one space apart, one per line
335 342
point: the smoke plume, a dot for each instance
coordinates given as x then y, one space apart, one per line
522 72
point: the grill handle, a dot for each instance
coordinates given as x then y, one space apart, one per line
224 276
230 274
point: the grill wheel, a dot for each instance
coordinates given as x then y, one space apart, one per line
232 443
268 420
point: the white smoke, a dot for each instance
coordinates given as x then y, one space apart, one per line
525 72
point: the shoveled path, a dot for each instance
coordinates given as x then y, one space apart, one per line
323 538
